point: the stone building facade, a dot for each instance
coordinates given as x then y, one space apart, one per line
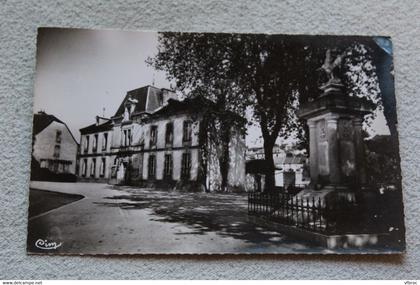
155 140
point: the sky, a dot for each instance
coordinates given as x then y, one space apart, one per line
84 73
80 72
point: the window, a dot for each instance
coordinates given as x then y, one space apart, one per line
152 167
185 165
127 137
95 143
86 144
187 128
84 167
102 167
56 151
167 168
169 135
153 136
93 167
105 141
58 136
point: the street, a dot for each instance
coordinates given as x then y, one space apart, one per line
128 220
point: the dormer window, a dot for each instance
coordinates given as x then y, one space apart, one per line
126 114
130 106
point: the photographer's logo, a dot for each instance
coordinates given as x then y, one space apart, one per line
45 244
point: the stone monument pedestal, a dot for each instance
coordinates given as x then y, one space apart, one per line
336 152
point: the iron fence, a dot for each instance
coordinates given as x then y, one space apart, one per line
328 216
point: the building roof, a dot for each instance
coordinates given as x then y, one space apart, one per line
95 128
260 149
175 106
42 120
147 99
193 104
293 159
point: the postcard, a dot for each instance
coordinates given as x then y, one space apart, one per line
214 143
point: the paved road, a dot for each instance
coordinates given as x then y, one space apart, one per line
127 220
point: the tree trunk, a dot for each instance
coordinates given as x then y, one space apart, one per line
224 158
204 155
269 176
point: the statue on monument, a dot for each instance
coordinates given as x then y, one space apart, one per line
332 68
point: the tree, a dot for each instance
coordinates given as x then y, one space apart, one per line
272 74
236 71
269 71
200 64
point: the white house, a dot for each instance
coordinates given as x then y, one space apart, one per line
54 147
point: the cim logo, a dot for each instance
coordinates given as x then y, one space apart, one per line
45 244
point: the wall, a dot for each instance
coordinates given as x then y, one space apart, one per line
45 143
19 20
141 136
99 154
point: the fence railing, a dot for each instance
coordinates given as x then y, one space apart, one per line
319 215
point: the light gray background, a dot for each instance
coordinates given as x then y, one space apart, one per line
18 23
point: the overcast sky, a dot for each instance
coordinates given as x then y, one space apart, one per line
81 72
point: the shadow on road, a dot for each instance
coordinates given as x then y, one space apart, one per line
225 214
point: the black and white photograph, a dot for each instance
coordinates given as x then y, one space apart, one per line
214 143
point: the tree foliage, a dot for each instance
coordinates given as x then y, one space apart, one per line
272 74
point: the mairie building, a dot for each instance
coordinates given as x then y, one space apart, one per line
155 140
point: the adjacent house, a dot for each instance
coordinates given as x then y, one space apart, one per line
279 153
155 140
289 168
54 148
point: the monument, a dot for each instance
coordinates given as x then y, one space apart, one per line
336 151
